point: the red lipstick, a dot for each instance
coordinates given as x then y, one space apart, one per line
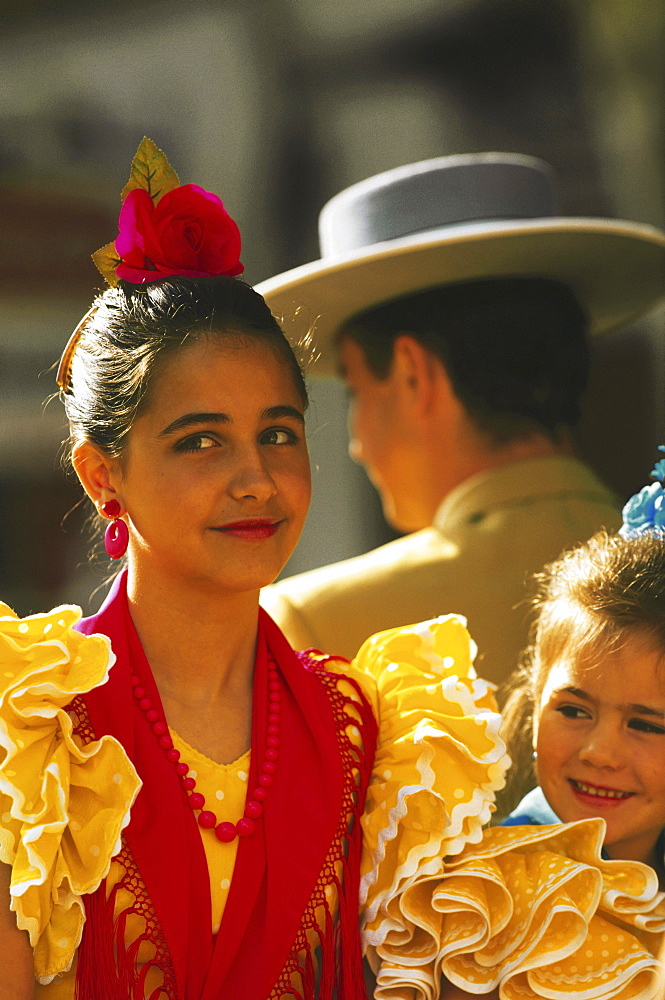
250 529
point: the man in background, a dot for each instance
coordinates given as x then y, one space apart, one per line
456 304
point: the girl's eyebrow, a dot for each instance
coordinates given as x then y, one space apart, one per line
645 710
275 412
191 419
637 708
578 692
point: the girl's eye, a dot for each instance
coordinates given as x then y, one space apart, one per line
278 435
196 442
642 726
573 712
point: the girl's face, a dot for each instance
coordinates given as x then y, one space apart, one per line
215 477
600 739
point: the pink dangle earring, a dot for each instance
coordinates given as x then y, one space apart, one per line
116 537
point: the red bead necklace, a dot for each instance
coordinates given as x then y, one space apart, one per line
224 831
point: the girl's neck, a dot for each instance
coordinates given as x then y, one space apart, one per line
200 643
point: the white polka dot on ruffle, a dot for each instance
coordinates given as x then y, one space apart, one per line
225 883
242 775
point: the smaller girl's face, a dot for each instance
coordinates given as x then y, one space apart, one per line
600 739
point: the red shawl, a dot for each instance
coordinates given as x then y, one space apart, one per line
310 822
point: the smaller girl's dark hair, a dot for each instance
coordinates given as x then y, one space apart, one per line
135 326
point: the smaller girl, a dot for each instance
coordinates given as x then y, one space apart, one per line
591 697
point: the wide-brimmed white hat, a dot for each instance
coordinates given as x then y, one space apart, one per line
462 218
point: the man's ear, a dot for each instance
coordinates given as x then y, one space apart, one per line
421 373
98 472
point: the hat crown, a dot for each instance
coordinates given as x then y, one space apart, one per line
433 194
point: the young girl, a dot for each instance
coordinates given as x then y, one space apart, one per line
183 799
590 704
181 793
593 695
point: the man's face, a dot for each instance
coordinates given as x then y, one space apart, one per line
380 437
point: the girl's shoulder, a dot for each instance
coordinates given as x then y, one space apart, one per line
63 804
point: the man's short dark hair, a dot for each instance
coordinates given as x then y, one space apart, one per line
515 349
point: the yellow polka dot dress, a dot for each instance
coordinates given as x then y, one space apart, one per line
225 789
534 911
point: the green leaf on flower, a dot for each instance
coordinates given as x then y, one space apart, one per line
106 260
151 171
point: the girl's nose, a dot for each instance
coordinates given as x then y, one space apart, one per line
252 479
602 747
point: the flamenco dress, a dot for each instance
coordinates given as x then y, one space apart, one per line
387 773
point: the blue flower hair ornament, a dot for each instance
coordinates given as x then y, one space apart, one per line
645 511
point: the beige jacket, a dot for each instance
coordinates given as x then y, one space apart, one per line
489 535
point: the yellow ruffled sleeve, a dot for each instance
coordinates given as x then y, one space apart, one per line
538 912
534 911
439 762
63 806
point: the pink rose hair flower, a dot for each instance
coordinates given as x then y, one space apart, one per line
188 233
166 229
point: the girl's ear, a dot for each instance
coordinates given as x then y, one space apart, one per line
98 472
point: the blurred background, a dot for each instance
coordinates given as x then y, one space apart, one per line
276 105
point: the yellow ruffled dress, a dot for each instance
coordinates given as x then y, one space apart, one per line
532 909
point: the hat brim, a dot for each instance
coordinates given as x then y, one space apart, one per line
616 269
